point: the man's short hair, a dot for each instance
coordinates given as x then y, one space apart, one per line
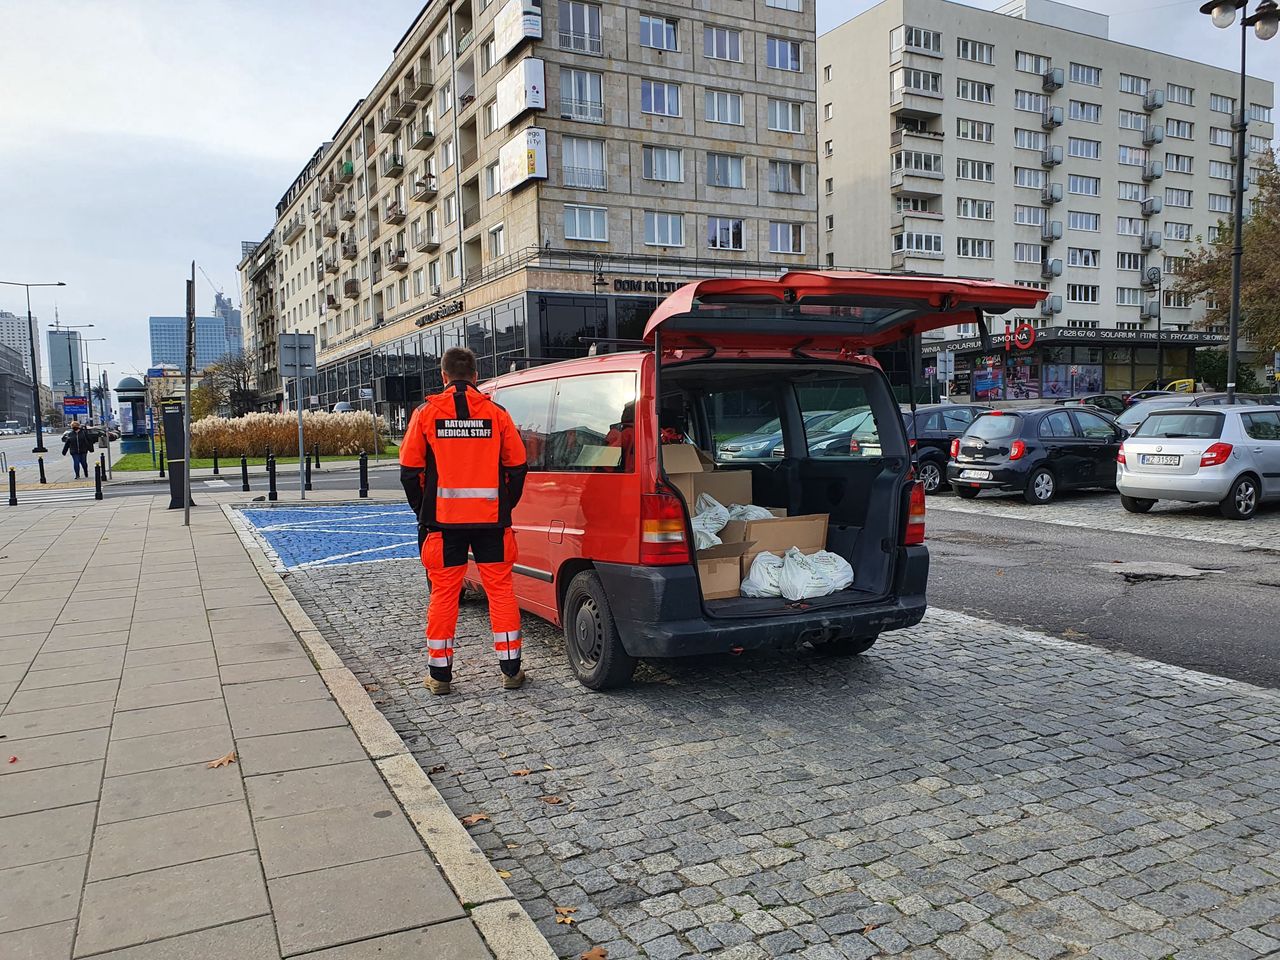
458 363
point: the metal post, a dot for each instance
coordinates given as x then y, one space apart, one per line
103 408
364 475
1237 249
215 461
97 481
271 479
102 462
244 474
308 486
35 382
162 459
315 450
40 461
186 412
13 486
303 485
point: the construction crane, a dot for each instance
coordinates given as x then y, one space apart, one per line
208 279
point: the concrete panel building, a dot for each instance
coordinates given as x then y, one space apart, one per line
1026 146
527 174
15 332
66 363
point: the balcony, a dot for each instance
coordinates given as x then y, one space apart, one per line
351 289
1050 156
471 216
346 170
1050 269
929 219
328 188
901 134
1150 310
330 263
294 228
467 156
330 301
1154 170
1153 134
581 42
407 105
1151 241
424 243
394 212
1050 194
1052 79
1051 230
911 102
1051 117
398 260
1152 206
464 42
350 251
393 166
916 183
313 207
320 268
918 261
1153 100
1050 305
586 178
330 228
588 111
419 82
347 210
424 188
375 228
424 140
388 122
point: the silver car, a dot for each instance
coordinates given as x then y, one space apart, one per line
1224 455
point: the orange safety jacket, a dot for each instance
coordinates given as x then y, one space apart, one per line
462 463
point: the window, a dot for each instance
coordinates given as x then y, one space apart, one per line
827 148
1083 73
1180 129
492 179
1177 163
1133 262
1174 197
786 176
1177 231
724 170
1133 191
1129 226
968 208
1030 139
724 233
917 160
418 283
1029 252
1260 112
433 275
1220 170
1220 104
1221 137
1175 298
1213 233
724 107
1031 62
1029 101
1128 297
1132 156
581 96
830 186
826 74
586 410
782 54
974 90
1088 112
1085 149
580 27
975 51
972 248
1220 203
1084 257
916 38
1174 265
1082 293
786 237
795 5
1177 93
497 245
975 170
451 264
1132 120
662 163
663 229
491 116
662 99
1131 84
919 81
445 98
1080 220
585 223
1259 144
786 116
450 208
583 161
1262 426
978 130
913 205
657 33
1030 177
1093 426
917 243
721 43
1028 216
488 55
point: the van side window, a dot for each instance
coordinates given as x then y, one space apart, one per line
838 420
744 423
592 428
530 407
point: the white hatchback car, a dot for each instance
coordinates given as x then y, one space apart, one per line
1224 455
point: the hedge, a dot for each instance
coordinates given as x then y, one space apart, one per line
256 434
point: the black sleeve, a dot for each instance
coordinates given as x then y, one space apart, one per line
411 480
515 483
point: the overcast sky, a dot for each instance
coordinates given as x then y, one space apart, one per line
134 139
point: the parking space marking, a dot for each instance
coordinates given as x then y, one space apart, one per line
303 537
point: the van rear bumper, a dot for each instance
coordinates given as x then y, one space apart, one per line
658 612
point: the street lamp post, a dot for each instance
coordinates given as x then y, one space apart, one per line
73 368
1152 279
35 369
1265 22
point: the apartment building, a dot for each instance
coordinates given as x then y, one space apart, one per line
527 173
15 332
1024 145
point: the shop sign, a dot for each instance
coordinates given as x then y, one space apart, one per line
639 285
524 88
523 158
1023 337
517 21
440 312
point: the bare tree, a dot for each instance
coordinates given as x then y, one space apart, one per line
232 377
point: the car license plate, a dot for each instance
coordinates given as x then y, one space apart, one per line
975 474
1160 460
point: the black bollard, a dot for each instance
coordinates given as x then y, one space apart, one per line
215 461
271 478
364 476
244 473
102 462
307 485
315 454
40 460
97 481
162 459
13 486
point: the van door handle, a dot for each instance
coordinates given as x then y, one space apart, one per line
555 532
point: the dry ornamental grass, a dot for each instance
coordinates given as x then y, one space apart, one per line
338 434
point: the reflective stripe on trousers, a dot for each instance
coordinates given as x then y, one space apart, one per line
467 493
506 643
439 652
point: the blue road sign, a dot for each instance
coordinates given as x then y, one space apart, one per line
75 406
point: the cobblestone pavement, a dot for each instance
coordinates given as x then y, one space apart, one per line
1167 519
964 790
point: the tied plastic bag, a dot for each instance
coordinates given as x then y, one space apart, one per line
748 511
817 575
709 519
762 578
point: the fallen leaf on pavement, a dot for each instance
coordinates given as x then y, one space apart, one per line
513 846
871 926
471 819
565 911
568 921
548 767
551 800
438 768
505 874
521 773
223 761
595 953
371 688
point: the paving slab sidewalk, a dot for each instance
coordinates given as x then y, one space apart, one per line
133 652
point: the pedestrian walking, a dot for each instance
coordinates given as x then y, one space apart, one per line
79 444
462 465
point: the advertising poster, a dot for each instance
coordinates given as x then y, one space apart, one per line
988 378
1072 379
522 158
1023 379
524 88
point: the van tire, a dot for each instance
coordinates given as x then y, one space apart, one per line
591 640
966 493
846 646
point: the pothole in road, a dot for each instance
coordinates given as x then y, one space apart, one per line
1144 571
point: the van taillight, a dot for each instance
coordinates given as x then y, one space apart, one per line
662 538
915 516
912 444
1216 455
955 448
1017 450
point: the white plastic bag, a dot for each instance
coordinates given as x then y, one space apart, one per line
762 578
817 575
709 518
748 511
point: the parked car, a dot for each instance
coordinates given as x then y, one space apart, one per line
604 535
343 406
1105 402
930 432
850 432
765 439
1228 455
1130 419
1037 453
1140 395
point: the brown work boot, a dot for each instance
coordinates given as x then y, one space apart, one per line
513 683
437 687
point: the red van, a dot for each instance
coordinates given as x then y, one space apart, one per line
604 535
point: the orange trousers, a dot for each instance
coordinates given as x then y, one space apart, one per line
445 554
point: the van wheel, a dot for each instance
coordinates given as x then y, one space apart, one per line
1042 487
1241 503
846 646
1136 504
591 639
930 474
966 493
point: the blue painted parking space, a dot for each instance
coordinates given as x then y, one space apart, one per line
325 536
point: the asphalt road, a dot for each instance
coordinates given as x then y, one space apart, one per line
1062 580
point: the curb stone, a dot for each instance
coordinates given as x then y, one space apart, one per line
503 923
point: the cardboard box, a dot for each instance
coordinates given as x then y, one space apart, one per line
719 570
808 533
693 473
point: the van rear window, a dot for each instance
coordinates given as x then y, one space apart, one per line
1181 424
995 426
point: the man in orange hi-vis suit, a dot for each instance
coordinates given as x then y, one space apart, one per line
462 465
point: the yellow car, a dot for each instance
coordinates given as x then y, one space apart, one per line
1175 386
